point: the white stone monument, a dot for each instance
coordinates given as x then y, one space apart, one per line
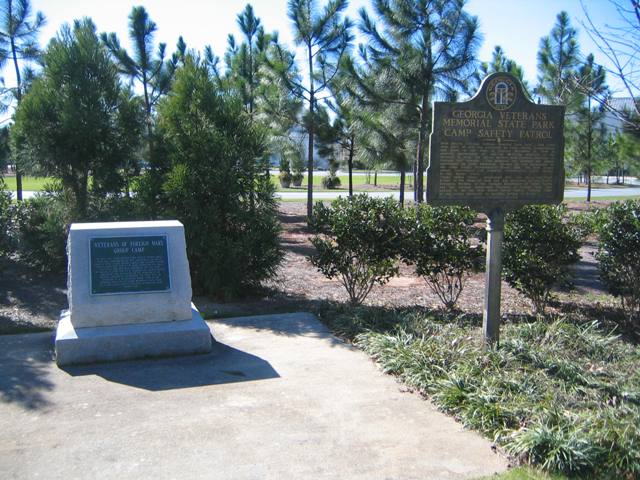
129 293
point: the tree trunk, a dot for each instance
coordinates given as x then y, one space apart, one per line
402 182
350 164
415 179
254 166
589 141
375 178
311 132
421 148
147 108
18 98
79 185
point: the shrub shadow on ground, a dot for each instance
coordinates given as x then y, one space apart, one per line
24 362
294 324
29 300
294 223
297 247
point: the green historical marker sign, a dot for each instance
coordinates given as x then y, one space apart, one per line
129 264
499 150
496 152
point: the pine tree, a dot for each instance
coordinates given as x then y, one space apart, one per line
325 36
499 63
419 51
18 42
558 60
76 120
151 71
589 81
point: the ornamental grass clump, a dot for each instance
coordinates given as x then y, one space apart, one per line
438 241
331 180
558 394
619 253
539 247
358 242
285 173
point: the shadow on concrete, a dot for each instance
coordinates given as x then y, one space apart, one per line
223 365
285 324
25 361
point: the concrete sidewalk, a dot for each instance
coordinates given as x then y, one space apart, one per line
279 398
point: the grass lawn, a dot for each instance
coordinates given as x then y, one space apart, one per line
35 184
410 199
388 181
523 473
385 182
560 394
611 198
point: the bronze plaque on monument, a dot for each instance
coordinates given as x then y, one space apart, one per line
498 150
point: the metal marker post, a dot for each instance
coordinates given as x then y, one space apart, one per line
491 311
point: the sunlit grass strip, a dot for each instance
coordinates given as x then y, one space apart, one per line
524 473
358 180
29 184
612 198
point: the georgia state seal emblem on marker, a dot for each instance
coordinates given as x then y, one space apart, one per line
501 93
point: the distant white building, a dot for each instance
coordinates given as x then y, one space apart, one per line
611 120
299 135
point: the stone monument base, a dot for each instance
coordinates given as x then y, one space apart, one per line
132 341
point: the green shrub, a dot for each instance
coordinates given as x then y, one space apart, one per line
216 187
6 220
438 241
114 208
619 253
588 222
296 154
359 242
42 227
538 249
40 224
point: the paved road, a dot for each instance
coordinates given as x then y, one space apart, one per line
568 194
279 398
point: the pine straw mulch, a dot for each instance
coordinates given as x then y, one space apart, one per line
31 301
300 286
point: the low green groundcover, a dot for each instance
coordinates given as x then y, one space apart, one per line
557 394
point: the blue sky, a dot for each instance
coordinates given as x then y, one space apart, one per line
516 25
